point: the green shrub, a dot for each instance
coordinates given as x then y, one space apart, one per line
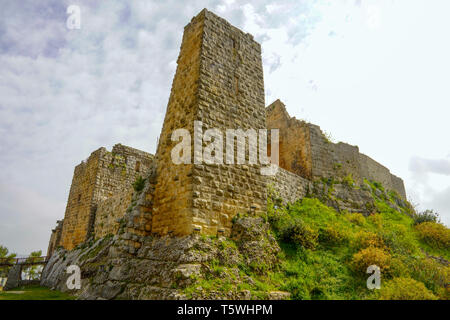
376 220
433 274
371 256
348 180
434 234
378 186
333 235
399 238
426 216
139 184
405 289
345 244
356 218
366 239
299 233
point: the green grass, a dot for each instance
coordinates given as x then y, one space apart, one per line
318 249
34 293
325 270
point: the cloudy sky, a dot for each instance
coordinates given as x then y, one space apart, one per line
372 73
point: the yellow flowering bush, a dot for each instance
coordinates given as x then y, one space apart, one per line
434 234
356 218
371 256
405 289
365 239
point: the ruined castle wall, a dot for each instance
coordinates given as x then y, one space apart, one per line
398 185
330 160
80 204
51 244
109 211
374 171
55 238
348 159
231 96
118 170
101 176
219 81
289 186
341 159
294 144
306 151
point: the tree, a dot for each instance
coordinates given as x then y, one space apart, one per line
33 272
4 253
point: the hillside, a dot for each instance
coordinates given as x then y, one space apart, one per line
325 254
302 250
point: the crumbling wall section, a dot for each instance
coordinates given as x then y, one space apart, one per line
306 151
289 186
103 175
295 141
331 160
119 169
55 238
398 186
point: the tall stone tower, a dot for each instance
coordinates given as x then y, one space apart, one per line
218 81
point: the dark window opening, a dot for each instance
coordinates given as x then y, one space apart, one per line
138 166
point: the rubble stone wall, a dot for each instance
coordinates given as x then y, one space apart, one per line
306 151
219 81
289 186
295 141
103 175
55 238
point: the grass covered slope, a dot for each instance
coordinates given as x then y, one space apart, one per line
325 254
34 293
316 248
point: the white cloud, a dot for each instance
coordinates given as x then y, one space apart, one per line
66 92
430 184
423 166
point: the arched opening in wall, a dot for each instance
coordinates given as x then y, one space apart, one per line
79 198
138 166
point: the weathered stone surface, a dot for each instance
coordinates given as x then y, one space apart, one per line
288 186
162 264
345 198
104 176
14 277
219 81
307 152
279 295
257 245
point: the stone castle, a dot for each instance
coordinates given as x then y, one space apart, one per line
218 81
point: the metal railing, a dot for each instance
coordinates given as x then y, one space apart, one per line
25 260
